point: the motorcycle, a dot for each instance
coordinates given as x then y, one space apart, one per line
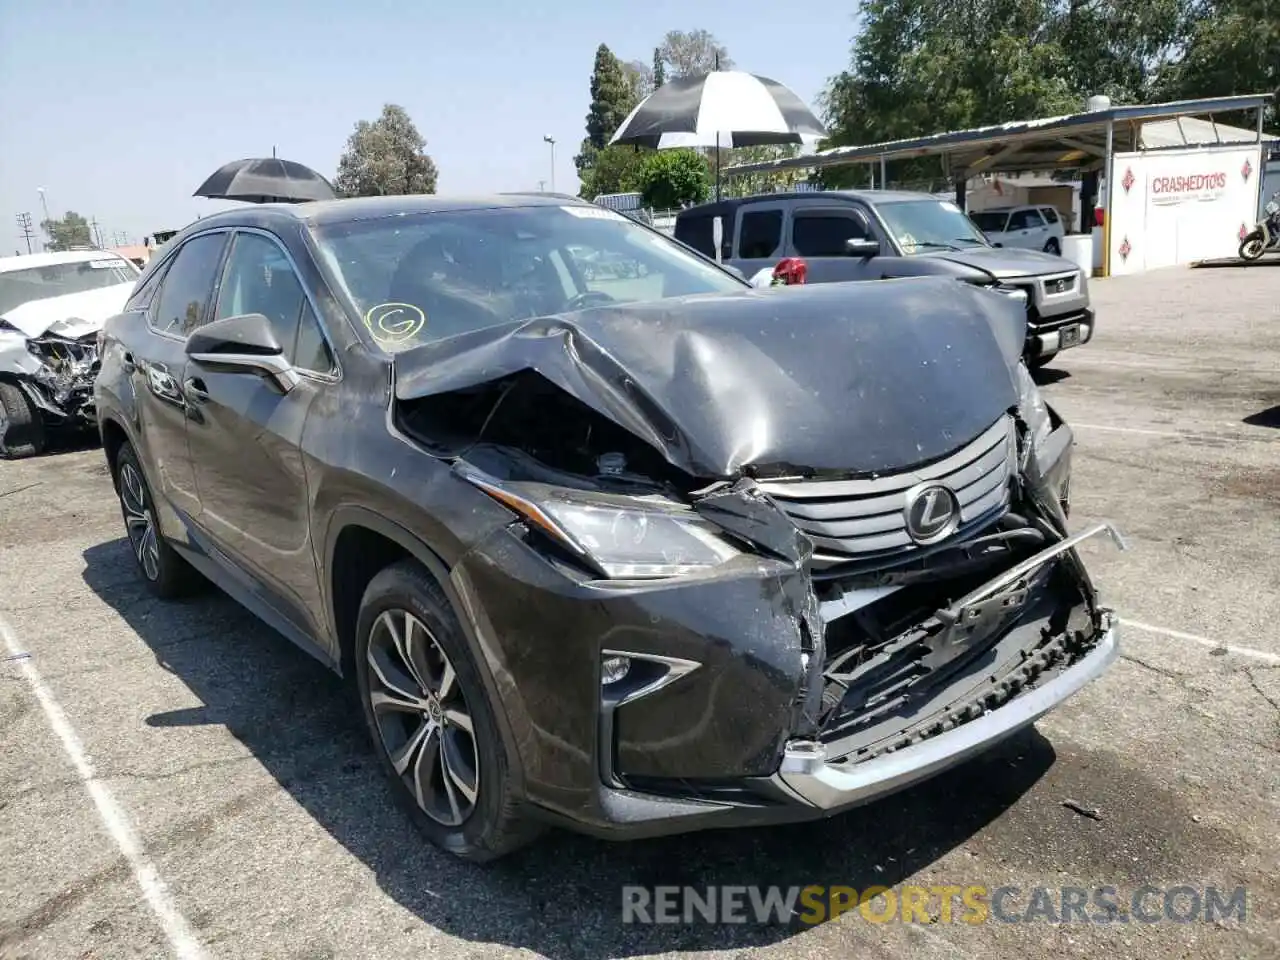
1266 235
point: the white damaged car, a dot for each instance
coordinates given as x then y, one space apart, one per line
52 306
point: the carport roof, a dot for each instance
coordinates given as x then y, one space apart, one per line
1049 143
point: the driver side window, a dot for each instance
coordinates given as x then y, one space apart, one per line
260 279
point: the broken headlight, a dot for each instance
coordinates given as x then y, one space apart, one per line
1032 409
623 537
633 542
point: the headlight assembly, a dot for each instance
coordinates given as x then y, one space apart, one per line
626 539
1032 409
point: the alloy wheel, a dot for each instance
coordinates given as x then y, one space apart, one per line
139 521
422 717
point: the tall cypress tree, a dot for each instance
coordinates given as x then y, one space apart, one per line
612 98
659 68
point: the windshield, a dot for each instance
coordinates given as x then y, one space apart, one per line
923 226
39 283
991 221
427 276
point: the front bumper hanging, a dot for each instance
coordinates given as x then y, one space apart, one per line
828 784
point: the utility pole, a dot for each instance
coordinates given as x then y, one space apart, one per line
24 227
44 205
97 234
552 141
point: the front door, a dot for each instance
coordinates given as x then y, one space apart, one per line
245 433
818 235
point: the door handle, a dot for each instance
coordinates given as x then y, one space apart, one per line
195 390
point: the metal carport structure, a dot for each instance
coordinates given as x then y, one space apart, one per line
1084 142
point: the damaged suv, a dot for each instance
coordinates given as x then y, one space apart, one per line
635 554
52 306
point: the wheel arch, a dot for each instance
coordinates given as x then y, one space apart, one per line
378 543
114 437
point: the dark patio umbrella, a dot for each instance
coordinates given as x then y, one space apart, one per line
266 180
721 109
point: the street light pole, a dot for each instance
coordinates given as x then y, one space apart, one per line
552 141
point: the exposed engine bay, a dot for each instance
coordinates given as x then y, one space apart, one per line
56 373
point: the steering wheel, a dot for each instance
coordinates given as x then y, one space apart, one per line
589 298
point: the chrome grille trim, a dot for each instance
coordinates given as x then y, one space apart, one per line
862 518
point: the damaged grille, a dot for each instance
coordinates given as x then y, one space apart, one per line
863 519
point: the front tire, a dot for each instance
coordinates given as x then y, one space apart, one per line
1053 247
21 424
1252 247
165 573
430 720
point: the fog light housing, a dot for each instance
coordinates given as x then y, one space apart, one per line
613 669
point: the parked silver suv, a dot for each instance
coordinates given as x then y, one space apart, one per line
883 234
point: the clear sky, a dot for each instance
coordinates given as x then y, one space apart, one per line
119 110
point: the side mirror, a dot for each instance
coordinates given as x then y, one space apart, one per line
858 247
243 344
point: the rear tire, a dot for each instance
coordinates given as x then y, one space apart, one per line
165 573
21 424
430 720
1053 247
1252 247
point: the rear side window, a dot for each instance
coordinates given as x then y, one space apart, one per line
696 232
823 234
761 234
182 304
1050 214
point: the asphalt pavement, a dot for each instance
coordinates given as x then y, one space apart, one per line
177 780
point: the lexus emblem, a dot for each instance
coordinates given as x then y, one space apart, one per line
932 513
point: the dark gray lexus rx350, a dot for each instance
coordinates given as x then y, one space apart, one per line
601 536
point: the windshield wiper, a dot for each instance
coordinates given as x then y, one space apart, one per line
969 240
933 243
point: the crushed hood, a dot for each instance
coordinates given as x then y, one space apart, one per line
72 314
829 378
1004 262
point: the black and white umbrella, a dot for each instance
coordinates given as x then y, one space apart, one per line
266 180
725 108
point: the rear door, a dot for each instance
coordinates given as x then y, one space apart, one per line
758 236
818 233
245 433
158 363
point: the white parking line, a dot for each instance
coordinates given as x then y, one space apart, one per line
1262 655
175 926
1177 434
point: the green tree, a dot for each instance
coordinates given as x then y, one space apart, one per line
768 181
71 231
659 72
614 169
612 98
689 53
1232 47
386 157
673 178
